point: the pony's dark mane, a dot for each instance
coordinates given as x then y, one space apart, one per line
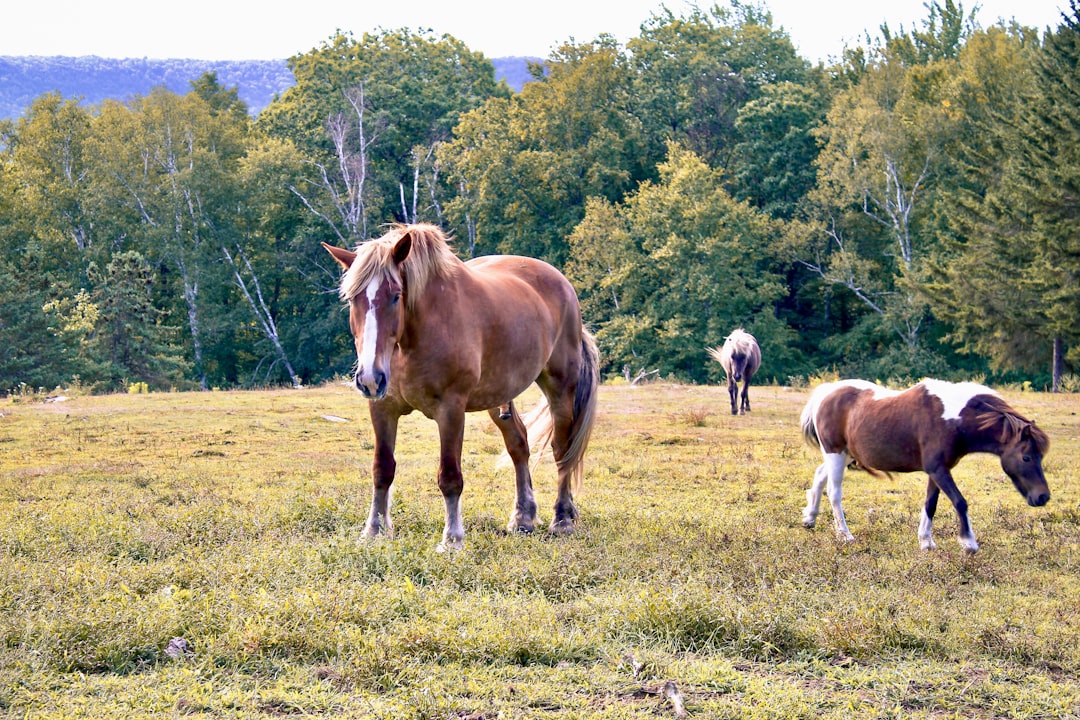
993 410
430 257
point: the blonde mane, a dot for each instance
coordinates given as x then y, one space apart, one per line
430 257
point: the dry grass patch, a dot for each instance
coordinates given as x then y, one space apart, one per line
234 519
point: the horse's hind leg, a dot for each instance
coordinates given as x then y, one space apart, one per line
834 465
562 418
506 418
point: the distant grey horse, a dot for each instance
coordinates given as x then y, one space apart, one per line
740 357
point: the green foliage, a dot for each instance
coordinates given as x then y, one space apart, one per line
695 72
673 269
130 336
943 33
856 218
31 353
368 114
1018 219
870 228
527 164
774 157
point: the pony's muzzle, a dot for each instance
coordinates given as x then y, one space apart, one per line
1039 500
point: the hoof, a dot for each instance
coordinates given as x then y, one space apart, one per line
450 546
371 534
809 523
521 522
562 527
928 544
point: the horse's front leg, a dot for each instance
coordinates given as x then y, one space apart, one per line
384 421
745 405
451 422
966 536
733 391
926 522
515 436
813 496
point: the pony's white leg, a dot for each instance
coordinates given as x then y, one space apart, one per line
926 522
969 543
835 464
926 532
813 496
453 537
944 480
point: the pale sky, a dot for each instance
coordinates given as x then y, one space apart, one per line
235 30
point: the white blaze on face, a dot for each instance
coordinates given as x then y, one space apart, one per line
954 396
371 333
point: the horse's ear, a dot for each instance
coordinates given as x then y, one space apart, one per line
402 248
344 257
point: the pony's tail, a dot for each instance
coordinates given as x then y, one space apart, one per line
540 425
807 423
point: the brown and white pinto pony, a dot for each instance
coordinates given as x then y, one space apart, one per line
740 357
927 427
445 337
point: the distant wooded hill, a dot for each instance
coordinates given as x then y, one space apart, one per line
94 79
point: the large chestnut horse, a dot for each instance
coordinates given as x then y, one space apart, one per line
927 427
446 337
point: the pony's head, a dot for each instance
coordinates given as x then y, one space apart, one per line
1021 450
1021 460
380 287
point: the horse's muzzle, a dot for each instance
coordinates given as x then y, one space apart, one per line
373 385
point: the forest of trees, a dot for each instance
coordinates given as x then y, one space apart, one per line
911 210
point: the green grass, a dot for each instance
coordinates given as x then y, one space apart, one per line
234 520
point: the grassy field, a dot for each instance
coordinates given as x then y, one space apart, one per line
233 520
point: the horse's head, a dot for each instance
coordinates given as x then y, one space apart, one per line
373 288
1021 459
739 361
